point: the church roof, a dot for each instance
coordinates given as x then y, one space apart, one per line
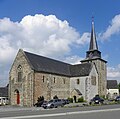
44 64
47 65
80 69
112 84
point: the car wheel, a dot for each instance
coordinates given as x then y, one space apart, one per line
52 106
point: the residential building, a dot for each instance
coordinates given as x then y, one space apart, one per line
112 89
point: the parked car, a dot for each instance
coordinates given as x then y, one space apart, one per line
54 103
4 101
44 104
97 100
117 98
66 101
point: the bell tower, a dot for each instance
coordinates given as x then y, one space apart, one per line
93 55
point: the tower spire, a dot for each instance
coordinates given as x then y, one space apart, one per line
93 42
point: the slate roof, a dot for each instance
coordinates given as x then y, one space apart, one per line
4 91
112 84
80 69
78 92
47 65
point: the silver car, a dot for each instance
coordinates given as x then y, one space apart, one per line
54 103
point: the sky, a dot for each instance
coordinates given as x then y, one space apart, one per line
59 30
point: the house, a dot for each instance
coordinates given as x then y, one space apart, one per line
4 91
32 75
112 89
4 95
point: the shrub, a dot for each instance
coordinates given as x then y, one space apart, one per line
55 97
71 100
81 99
41 98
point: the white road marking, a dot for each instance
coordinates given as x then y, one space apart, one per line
61 114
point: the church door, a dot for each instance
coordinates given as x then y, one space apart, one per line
18 98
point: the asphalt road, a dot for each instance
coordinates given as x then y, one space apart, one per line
95 112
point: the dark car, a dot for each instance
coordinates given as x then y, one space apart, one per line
97 100
117 99
65 101
38 104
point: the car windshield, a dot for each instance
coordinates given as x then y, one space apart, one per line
118 97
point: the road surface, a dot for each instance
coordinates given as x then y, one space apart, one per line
90 112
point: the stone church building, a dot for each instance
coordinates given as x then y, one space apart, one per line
33 75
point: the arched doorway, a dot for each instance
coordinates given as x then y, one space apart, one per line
75 94
17 97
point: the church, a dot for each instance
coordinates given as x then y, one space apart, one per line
32 75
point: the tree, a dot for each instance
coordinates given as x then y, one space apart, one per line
41 98
55 97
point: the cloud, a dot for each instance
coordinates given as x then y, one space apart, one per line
112 29
73 59
85 38
114 73
48 35
44 35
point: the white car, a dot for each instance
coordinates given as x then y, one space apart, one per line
4 101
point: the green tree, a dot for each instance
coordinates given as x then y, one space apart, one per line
41 98
81 99
55 97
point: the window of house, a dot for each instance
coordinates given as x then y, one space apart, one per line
64 81
19 76
43 79
54 79
93 80
19 70
78 81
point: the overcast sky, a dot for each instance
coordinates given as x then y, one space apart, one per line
59 30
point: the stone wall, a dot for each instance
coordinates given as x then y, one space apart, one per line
88 85
25 86
49 85
102 76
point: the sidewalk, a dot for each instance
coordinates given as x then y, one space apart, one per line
76 104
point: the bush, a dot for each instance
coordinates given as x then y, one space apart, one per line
55 97
41 98
71 100
81 99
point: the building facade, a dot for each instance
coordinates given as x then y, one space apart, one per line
33 75
112 89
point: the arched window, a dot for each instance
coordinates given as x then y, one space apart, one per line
78 81
54 79
19 70
43 79
93 80
63 80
